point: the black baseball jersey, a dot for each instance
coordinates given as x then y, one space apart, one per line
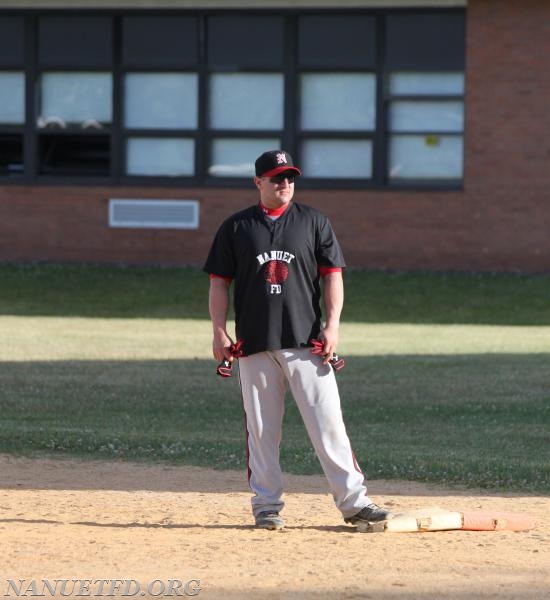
274 265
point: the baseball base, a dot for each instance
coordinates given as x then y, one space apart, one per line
439 519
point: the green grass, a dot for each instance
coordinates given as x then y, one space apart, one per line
100 291
447 377
498 299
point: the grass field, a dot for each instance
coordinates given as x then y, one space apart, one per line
447 377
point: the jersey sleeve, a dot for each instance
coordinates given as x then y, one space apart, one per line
328 252
221 258
324 271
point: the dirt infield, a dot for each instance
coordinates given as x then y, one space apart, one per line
67 519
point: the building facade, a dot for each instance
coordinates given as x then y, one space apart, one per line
128 130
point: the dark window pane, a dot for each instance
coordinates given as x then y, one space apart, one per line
160 41
12 41
428 41
75 41
11 154
74 155
245 42
337 41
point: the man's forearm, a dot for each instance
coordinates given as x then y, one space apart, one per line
218 306
333 297
218 303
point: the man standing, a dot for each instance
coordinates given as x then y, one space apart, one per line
276 253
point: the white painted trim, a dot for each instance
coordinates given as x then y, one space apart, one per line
229 4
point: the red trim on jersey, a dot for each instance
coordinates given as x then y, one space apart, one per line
228 280
326 270
273 212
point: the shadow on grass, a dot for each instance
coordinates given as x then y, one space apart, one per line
476 420
371 297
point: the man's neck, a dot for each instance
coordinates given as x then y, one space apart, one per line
273 212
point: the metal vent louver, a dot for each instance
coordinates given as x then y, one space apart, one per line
155 214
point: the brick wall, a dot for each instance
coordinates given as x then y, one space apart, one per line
500 221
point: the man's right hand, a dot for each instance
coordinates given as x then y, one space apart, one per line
225 366
221 347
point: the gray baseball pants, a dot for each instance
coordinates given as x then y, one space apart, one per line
264 378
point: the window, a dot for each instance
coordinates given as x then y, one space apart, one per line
166 102
160 42
159 97
169 157
75 41
75 108
337 108
347 159
246 92
246 101
75 99
75 96
235 157
12 41
256 42
12 119
426 128
243 102
73 154
12 96
350 45
338 101
11 154
343 103
161 101
425 110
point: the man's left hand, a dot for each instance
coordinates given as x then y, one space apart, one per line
329 338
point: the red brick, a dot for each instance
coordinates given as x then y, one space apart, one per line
500 221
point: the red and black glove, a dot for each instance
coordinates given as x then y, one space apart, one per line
225 368
336 362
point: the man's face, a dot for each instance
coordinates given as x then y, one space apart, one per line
276 191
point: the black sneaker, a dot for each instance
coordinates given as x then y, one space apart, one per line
269 519
369 514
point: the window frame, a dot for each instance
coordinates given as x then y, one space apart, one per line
304 135
10 131
389 98
39 133
290 135
127 133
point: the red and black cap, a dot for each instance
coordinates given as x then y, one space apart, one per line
273 162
